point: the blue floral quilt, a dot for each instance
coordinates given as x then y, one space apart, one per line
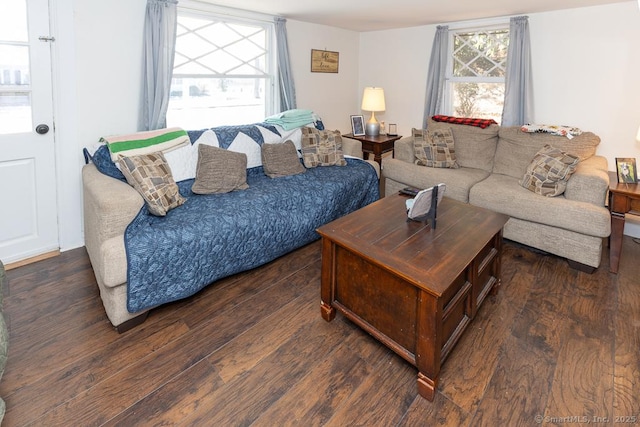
217 235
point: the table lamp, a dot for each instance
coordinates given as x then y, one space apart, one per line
373 100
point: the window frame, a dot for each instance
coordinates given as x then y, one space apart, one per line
450 78
234 16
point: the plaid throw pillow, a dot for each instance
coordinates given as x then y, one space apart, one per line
549 171
322 148
434 148
469 121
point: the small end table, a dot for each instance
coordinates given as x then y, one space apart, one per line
623 198
378 145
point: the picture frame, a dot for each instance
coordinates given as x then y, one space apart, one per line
357 125
627 171
393 129
324 61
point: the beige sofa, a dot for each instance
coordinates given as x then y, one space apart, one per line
492 161
109 206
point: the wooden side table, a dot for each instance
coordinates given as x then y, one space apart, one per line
623 198
378 145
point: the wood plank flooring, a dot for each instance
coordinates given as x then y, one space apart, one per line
555 346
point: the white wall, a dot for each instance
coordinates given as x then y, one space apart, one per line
97 74
585 72
334 96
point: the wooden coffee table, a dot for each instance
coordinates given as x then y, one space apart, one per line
413 288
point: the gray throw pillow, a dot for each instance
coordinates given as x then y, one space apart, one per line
219 171
150 174
281 160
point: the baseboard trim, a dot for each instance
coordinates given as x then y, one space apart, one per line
31 260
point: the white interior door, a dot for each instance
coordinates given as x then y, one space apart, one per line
28 211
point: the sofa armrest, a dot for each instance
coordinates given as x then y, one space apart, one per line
590 182
109 206
352 147
403 150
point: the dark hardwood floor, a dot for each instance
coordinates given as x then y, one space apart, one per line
252 349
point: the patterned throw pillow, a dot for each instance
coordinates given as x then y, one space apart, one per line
434 148
322 148
281 160
151 176
549 171
219 171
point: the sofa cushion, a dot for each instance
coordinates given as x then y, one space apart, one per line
516 148
219 171
503 194
458 181
151 176
549 171
322 148
434 148
475 147
281 160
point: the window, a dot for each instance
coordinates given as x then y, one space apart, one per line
475 76
223 72
15 74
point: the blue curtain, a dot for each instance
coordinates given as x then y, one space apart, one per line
286 87
518 91
159 50
436 76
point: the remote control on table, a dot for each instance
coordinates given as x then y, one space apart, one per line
410 191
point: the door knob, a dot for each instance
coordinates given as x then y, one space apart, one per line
42 129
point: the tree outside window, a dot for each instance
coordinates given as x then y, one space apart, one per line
476 75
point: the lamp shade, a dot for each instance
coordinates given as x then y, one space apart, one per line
373 99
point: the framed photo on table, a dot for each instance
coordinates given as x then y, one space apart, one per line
626 168
357 125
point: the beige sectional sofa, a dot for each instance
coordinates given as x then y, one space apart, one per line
492 161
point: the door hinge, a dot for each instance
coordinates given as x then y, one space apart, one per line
46 39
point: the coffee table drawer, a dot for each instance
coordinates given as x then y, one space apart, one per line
456 315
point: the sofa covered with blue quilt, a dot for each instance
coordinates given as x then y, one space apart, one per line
144 257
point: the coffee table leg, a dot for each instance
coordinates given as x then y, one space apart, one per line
426 387
328 313
327 280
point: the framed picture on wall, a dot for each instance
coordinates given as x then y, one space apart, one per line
357 125
627 172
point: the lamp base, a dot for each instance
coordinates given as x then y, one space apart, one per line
372 128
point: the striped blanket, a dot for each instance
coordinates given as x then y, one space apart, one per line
145 142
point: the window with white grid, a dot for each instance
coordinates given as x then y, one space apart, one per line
476 73
223 71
